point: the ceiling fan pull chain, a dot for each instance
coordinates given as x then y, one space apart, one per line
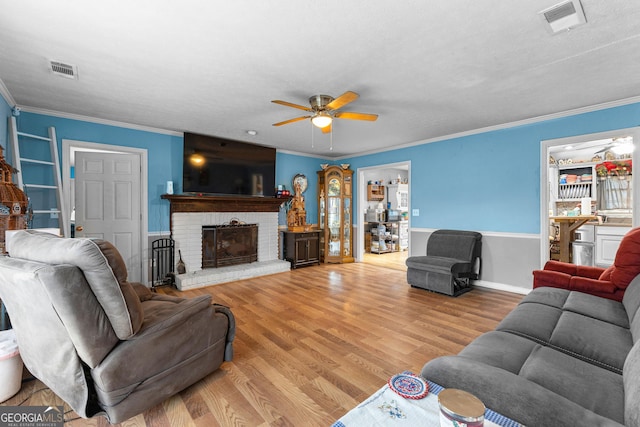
331 139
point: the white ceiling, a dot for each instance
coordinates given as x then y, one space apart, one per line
428 68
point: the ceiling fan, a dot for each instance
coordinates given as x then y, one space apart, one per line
324 109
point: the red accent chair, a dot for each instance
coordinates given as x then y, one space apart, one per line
607 283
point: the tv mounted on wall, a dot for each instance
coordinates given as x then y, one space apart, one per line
219 166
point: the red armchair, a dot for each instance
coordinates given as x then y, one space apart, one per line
607 283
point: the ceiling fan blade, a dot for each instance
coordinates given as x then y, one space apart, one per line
356 116
342 100
286 122
289 104
326 129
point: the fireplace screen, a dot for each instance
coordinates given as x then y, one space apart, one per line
224 245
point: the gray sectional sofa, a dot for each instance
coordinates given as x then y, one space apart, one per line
560 358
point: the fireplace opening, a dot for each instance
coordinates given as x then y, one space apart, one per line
229 244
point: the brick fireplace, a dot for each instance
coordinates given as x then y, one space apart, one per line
189 214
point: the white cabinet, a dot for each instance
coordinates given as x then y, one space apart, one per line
398 196
607 242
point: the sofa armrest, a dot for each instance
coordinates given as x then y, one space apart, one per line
587 285
231 334
551 278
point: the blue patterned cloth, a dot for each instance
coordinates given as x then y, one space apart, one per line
386 408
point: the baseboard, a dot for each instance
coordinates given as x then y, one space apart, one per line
501 287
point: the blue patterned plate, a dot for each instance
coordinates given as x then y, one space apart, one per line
409 386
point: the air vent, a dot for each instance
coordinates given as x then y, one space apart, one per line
564 16
64 70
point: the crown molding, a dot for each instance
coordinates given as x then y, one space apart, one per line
576 111
106 122
533 120
6 94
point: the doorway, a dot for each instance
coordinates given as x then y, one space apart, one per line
373 212
563 195
135 246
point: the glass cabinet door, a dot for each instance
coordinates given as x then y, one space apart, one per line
334 221
347 227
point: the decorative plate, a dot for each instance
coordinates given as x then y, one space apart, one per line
409 386
302 180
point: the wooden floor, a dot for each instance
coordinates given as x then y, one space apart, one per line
313 343
394 260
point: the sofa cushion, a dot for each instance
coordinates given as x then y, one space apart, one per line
577 381
82 316
532 320
458 244
590 339
103 268
603 309
439 264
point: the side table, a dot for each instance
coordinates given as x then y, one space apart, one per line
386 407
302 248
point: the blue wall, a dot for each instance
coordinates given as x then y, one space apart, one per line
488 181
288 166
164 153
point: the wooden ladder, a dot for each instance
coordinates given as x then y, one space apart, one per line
40 178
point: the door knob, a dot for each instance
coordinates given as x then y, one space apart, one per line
79 228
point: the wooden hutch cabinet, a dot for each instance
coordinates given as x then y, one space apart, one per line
335 208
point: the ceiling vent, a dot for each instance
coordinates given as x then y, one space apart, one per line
564 16
65 70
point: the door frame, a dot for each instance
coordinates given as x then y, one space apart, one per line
69 146
362 202
544 178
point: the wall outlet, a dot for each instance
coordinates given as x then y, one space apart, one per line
415 212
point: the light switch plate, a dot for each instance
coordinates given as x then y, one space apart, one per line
415 212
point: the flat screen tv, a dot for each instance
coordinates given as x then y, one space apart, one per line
218 166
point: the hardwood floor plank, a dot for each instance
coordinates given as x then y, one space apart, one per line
311 344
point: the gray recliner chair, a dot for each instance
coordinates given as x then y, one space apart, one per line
104 345
453 259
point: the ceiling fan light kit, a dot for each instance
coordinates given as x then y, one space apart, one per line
321 120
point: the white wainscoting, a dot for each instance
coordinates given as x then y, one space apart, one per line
508 259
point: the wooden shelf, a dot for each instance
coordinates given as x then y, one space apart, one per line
375 192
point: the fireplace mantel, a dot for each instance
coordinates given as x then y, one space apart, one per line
207 203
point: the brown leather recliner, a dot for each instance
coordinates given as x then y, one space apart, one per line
104 345
607 283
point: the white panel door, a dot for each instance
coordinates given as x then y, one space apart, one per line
107 197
